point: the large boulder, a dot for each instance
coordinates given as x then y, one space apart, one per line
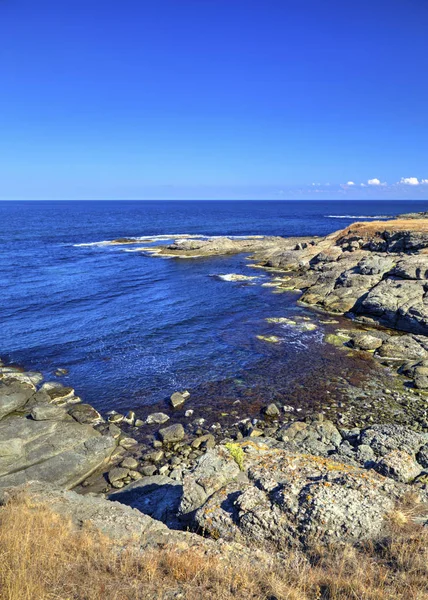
398 303
295 499
214 469
57 451
383 439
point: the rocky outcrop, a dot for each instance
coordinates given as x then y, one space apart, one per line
40 440
293 499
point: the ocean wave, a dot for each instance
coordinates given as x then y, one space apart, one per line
234 277
357 217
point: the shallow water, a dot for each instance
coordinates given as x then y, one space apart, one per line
130 328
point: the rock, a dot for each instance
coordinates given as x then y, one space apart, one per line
255 432
60 452
13 397
422 456
386 438
290 499
157 496
272 410
158 418
113 519
10 375
403 347
208 440
139 422
127 443
117 474
399 304
399 465
48 412
60 393
129 463
156 456
365 455
366 341
177 400
129 417
85 413
148 470
214 469
114 430
116 418
188 413
171 434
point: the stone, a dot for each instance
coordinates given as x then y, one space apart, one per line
85 413
155 456
13 397
171 434
129 418
129 463
158 418
128 443
48 412
366 341
157 496
117 474
208 440
422 456
213 470
60 393
271 410
114 430
115 418
288 499
177 400
148 470
188 413
402 347
399 465
61 452
385 438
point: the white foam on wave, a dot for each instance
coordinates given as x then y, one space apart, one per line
357 217
164 237
234 277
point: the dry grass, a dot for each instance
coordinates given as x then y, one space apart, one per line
370 228
43 558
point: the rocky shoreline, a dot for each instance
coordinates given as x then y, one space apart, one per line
271 480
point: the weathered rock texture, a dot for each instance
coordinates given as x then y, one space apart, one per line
42 441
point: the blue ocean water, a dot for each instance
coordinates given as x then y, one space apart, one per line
130 328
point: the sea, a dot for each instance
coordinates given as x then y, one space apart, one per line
128 329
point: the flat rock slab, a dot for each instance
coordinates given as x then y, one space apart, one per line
117 521
60 452
14 397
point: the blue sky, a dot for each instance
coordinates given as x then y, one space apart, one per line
214 99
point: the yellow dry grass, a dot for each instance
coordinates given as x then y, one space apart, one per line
42 557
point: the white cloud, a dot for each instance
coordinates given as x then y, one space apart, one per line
409 180
363 185
424 181
374 182
350 183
